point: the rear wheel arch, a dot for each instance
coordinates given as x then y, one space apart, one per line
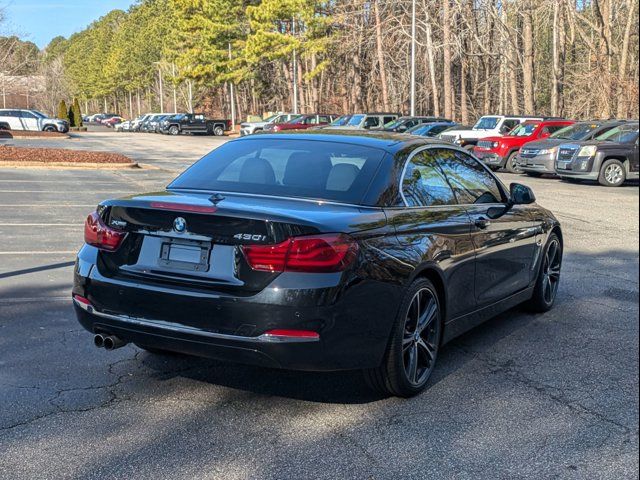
436 277
558 231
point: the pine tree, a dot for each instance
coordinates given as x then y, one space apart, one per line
72 117
77 114
63 112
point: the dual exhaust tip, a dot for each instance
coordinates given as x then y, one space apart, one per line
108 342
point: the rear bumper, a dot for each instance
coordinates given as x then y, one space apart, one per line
298 354
490 158
353 323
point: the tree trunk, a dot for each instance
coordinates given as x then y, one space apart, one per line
380 55
559 56
464 109
446 75
432 72
528 66
623 100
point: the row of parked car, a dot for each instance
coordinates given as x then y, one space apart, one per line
602 150
174 124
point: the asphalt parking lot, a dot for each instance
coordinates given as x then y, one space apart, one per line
523 396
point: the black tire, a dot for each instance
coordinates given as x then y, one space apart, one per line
174 130
612 173
413 347
546 287
534 174
50 128
510 165
218 131
155 351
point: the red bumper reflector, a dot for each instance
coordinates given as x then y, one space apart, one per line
183 207
293 333
82 300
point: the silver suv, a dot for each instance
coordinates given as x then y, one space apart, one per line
18 119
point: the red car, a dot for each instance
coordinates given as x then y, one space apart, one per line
500 152
302 122
110 122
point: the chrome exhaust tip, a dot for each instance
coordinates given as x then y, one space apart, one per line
98 340
112 342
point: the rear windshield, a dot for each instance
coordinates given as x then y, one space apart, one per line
286 167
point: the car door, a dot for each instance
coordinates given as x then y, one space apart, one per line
506 246
29 121
432 228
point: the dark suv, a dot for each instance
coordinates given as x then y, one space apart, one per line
610 158
538 157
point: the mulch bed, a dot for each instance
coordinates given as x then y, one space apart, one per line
59 156
30 133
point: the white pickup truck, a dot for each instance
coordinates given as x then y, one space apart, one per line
18 119
487 126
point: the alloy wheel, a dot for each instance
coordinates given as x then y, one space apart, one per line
551 271
614 174
421 336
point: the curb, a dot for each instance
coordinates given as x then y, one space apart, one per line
71 165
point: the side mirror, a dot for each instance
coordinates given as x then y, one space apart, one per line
521 194
545 135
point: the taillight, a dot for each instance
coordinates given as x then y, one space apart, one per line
318 253
99 235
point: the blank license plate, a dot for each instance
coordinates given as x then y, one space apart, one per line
181 253
183 256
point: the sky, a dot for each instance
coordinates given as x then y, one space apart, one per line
41 20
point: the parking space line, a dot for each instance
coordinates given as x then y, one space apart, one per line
36 299
39 224
63 192
21 205
41 252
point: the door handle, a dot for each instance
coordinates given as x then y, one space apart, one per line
482 223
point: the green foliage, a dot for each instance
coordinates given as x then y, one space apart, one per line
63 111
201 34
75 114
72 117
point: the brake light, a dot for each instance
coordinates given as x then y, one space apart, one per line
99 235
183 207
313 254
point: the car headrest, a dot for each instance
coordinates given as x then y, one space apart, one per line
307 170
342 176
257 170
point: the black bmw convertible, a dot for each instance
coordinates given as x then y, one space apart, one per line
317 251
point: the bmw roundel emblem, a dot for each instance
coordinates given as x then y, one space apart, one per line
180 225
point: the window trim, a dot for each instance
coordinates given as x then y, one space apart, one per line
501 186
